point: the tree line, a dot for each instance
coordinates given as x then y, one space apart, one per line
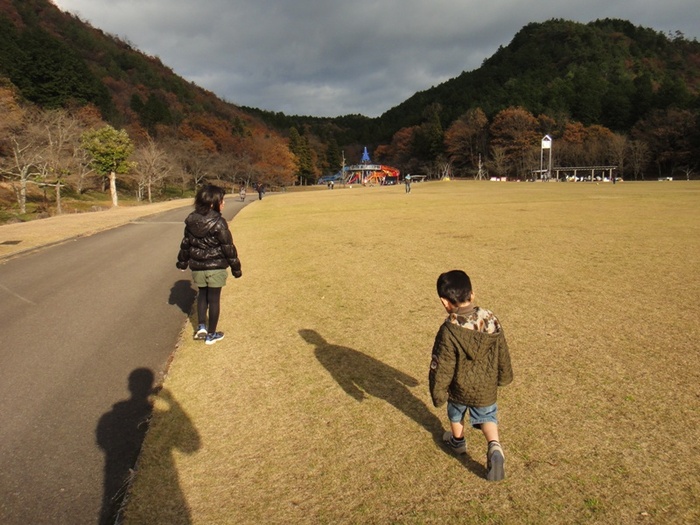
76 150
607 92
509 145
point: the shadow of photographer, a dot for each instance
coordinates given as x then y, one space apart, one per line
120 434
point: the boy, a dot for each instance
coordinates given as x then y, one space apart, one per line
470 361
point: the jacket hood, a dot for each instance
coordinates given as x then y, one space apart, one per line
471 342
200 225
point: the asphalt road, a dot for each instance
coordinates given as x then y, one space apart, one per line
86 328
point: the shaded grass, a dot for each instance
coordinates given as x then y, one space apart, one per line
315 409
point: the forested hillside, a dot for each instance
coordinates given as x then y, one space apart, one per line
607 92
60 78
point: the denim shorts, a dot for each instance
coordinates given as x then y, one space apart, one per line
209 278
477 415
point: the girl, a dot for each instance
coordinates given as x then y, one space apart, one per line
207 247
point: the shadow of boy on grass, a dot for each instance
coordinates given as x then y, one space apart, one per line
360 375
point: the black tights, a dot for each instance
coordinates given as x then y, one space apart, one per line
208 298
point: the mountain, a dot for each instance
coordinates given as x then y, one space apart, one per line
606 72
566 79
607 77
55 59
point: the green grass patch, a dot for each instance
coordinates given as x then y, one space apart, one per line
315 407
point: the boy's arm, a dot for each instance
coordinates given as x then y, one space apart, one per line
505 371
442 367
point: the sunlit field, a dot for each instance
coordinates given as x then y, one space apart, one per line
315 407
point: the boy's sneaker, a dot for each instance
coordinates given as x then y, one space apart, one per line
213 338
494 462
201 333
456 446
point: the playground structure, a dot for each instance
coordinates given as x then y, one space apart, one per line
365 173
370 174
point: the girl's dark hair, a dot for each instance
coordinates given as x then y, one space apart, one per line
455 286
209 197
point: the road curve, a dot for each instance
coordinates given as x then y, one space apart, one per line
78 322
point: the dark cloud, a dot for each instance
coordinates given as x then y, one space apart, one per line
334 57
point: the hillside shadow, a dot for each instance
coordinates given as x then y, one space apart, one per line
120 434
360 375
183 295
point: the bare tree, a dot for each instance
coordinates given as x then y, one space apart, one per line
81 163
618 146
639 157
195 162
499 160
26 144
62 137
688 170
152 167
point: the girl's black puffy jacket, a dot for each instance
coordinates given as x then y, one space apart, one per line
208 244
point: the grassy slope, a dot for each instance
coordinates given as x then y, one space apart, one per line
314 408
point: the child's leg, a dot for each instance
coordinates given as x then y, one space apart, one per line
457 429
213 299
455 438
495 459
494 455
202 305
490 431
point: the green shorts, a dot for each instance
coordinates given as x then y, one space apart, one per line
209 278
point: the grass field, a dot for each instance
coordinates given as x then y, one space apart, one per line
315 407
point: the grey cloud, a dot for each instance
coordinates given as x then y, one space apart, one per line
333 57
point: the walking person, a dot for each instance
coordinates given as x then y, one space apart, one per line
260 187
207 248
407 181
470 361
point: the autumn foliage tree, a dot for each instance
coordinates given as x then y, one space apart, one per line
466 139
669 136
516 131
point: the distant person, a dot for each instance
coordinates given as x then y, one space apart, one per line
407 181
260 189
241 194
207 248
470 361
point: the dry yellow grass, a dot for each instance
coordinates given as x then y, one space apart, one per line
315 407
26 236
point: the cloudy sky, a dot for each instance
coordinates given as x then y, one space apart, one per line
337 57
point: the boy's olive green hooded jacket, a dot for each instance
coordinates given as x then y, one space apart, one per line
468 366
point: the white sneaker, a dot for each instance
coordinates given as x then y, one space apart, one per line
201 333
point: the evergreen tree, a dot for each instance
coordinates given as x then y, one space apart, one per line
54 76
110 150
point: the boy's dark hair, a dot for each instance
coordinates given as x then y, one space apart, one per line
209 197
455 286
